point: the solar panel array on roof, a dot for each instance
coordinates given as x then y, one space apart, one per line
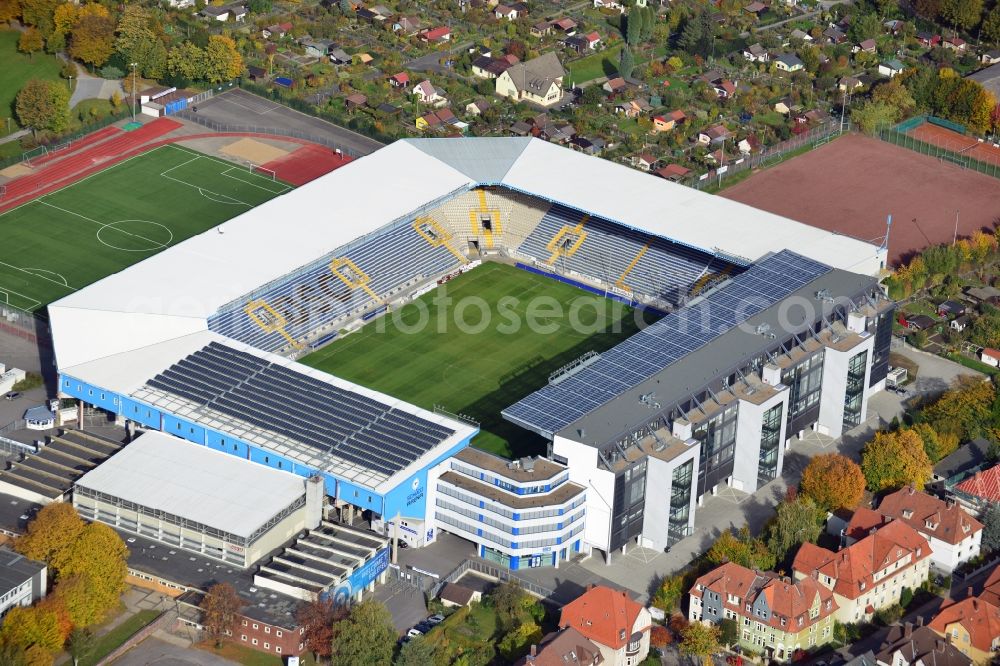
651 350
345 424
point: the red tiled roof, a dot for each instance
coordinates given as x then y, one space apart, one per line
593 37
677 115
985 484
603 615
852 568
930 515
437 33
672 171
863 522
980 618
991 588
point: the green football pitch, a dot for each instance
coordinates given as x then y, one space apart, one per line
420 354
63 241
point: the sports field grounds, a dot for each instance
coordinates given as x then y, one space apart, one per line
489 363
63 241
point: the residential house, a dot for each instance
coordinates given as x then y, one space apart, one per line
339 57
756 8
963 461
400 80
990 57
643 161
589 146
956 44
981 489
610 619
615 85
928 40
220 13
317 48
950 308
920 646
506 12
477 108
849 84
455 595
408 25
919 322
971 625
562 648
775 616
991 588
713 135
633 108
989 295
355 101
891 68
990 356
426 93
538 81
800 34
566 25
22 581
786 106
835 35
487 67
724 88
439 34
959 324
609 4
788 62
673 172
867 46
541 29
593 39
954 535
756 53
869 574
276 31
668 121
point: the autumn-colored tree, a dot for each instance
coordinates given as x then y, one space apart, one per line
668 595
92 40
742 549
98 555
964 410
963 14
894 460
64 17
316 619
58 608
220 609
936 445
365 636
794 523
29 626
678 623
54 529
36 655
517 641
30 42
700 640
222 60
187 60
39 13
84 609
659 636
833 481
81 644
9 10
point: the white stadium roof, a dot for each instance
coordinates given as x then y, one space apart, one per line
194 482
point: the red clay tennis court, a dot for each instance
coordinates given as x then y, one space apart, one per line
968 146
305 164
850 184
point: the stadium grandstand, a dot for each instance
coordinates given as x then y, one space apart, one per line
201 340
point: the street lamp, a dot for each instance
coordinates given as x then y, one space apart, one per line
134 92
70 77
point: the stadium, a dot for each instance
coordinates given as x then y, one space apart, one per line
214 340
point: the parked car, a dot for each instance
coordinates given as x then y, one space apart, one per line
435 620
414 632
13 395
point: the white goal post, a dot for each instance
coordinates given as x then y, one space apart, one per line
262 171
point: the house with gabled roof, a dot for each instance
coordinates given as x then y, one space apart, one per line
617 624
921 646
426 93
775 615
972 625
538 81
869 574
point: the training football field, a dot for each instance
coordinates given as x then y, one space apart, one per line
64 241
420 354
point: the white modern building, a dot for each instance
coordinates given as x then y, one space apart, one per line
22 581
519 513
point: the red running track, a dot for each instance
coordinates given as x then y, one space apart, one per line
89 140
77 166
305 164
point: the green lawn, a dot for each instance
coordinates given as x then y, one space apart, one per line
107 643
66 240
604 63
465 630
479 372
17 69
249 657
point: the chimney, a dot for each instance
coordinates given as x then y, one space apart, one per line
908 629
920 620
534 651
968 592
771 374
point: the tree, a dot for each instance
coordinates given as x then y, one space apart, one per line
626 63
12 655
864 26
100 557
365 636
963 14
795 522
220 608
81 644
833 481
9 10
937 446
928 9
991 26
669 594
186 60
729 632
895 459
92 40
30 42
633 26
991 528
136 42
316 619
415 652
896 95
517 640
39 13
743 549
659 636
346 8
54 529
222 61
964 410
29 626
700 640
871 116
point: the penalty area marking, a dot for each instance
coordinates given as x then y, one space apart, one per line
36 271
6 294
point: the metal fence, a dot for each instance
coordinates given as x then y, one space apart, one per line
897 138
224 128
817 136
494 571
29 326
65 140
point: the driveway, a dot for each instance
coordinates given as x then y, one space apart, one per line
241 111
161 653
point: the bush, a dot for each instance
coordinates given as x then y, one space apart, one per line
32 380
905 597
889 615
111 72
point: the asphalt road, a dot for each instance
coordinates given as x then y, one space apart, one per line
155 651
250 113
